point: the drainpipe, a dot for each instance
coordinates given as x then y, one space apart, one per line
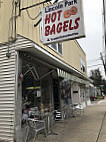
19 7
8 54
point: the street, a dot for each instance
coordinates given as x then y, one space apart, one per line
90 127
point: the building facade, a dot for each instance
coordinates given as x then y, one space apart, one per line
31 73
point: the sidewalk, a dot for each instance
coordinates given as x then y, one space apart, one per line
90 127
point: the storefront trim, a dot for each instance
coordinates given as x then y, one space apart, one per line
66 75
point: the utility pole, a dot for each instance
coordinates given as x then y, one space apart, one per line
104 63
104 20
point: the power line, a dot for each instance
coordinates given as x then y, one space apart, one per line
94 60
95 65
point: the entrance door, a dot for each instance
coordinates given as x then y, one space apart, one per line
56 94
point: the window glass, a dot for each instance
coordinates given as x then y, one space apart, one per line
82 64
54 46
57 47
60 48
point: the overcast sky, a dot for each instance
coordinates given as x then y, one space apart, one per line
93 43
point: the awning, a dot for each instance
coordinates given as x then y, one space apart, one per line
40 53
66 75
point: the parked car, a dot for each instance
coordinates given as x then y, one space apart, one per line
93 98
103 96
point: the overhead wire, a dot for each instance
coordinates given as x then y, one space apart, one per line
94 60
95 65
30 15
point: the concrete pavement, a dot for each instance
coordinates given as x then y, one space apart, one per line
90 127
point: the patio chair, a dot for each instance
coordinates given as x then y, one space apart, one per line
72 109
79 109
36 126
76 109
60 114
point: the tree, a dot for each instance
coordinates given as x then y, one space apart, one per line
96 77
104 85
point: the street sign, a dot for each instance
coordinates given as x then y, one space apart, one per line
62 21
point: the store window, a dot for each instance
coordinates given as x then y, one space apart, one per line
36 90
82 64
57 47
31 97
65 90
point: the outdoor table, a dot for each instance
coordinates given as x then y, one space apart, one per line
49 121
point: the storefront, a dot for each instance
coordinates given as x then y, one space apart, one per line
38 88
45 87
78 89
37 81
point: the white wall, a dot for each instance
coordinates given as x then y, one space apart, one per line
80 94
75 93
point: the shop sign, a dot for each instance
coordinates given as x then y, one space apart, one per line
62 21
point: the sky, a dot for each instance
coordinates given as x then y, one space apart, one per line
92 44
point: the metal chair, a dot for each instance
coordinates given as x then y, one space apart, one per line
76 109
60 114
79 109
72 110
35 126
